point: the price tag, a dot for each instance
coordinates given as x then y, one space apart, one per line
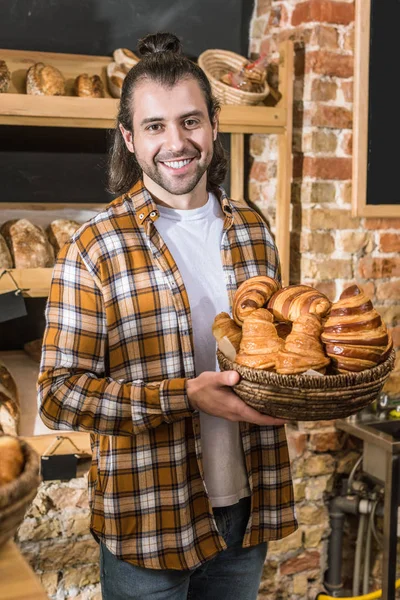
12 306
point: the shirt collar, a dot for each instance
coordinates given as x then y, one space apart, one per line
146 209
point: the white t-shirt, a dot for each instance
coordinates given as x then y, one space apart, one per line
194 240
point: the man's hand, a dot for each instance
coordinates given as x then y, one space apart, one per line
211 392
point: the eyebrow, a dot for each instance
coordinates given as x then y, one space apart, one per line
192 113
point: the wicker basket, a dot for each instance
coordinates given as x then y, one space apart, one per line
16 496
218 62
305 397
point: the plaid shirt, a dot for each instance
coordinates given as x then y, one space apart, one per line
117 353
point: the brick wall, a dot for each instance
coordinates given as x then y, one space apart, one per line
329 250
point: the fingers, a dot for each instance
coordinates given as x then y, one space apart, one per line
253 416
228 378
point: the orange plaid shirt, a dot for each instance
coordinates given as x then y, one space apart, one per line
117 352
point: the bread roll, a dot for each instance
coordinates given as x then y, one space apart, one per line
87 86
5 255
9 402
12 459
44 80
28 244
260 342
252 294
115 78
225 326
123 56
5 77
60 231
34 349
292 301
303 349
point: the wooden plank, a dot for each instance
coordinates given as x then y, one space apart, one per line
237 166
36 281
285 160
41 443
50 206
17 579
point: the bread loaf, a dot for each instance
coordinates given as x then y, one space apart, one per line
5 255
5 77
34 349
124 56
60 231
12 459
9 402
115 78
87 86
28 244
44 80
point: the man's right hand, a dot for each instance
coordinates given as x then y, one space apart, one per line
211 393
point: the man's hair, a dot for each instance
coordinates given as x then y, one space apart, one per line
162 61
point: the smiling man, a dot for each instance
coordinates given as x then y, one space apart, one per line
188 483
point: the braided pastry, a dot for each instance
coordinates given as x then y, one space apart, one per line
260 341
252 294
303 349
289 303
354 335
225 326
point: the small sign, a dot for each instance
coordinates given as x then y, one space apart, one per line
12 306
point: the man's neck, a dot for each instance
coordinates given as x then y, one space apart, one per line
194 199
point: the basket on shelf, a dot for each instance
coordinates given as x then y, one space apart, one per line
307 397
16 496
216 63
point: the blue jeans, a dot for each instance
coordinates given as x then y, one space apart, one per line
234 574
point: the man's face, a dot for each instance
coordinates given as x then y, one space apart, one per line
172 134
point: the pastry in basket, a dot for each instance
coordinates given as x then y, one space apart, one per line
5 77
225 326
260 342
252 294
354 335
292 301
303 349
12 459
89 86
44 80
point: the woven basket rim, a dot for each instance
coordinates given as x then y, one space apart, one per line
220 85
27 481
310 382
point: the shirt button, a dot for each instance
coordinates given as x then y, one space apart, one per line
141 216
153 213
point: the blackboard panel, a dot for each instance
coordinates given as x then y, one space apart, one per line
383 111
100 26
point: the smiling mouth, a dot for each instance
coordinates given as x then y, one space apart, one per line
177 164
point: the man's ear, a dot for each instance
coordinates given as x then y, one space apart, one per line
128 138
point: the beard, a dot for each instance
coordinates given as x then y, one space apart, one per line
175 184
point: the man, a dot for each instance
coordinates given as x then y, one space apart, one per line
187 483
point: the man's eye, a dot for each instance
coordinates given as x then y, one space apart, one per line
155 127
191 122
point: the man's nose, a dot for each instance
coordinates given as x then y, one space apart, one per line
176 138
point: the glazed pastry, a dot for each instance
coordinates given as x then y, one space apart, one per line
225 326
292 301
89 86
252 294
260 342
44 80
303 349
5 77
354 335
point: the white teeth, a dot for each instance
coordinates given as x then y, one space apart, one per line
178 164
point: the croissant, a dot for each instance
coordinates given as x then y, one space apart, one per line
303 349
354 335
252 294
292 301
225 326
260 342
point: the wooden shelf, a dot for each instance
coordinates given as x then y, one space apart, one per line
35 281
19 108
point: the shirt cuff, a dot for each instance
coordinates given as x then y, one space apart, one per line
174 400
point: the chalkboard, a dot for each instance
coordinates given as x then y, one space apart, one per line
376 115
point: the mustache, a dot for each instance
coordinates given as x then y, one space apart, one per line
184 154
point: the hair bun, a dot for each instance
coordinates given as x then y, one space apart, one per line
159 42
